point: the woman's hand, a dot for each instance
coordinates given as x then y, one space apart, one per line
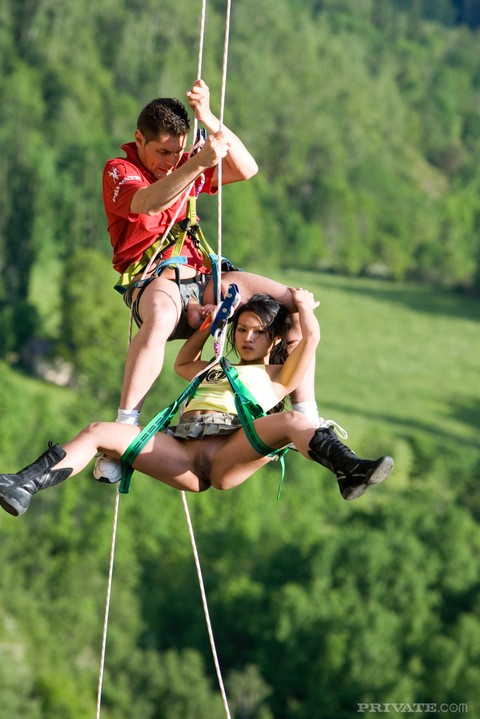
208 314
304 298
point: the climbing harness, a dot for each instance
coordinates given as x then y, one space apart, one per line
217 264
157 424
247 407
175 238
219 321
248 411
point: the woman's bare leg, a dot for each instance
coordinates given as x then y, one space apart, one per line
109 436
236 461
163 457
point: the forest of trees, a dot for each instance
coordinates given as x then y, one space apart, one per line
364 118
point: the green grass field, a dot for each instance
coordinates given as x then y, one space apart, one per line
395 358
396 362
397 354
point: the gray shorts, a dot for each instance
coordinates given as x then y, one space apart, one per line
192 287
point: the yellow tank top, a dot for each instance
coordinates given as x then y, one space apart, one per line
215 393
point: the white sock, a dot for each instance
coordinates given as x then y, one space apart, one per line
309 409
128 416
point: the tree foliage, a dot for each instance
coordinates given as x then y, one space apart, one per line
364 116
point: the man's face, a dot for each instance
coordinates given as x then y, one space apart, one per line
162 155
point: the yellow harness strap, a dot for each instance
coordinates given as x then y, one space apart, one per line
189 222
192 227
176 236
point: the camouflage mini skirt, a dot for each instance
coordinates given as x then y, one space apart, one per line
205 425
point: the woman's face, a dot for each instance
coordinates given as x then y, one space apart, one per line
252 343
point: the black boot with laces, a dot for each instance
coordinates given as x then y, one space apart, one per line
354 475
16 490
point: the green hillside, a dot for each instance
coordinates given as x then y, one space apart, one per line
364 118
314 601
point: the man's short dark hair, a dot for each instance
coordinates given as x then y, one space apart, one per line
164 115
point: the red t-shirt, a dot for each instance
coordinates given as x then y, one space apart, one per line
132 233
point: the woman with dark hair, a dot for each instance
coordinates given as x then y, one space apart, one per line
276 321
209 447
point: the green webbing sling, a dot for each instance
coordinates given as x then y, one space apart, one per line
157 424
248 410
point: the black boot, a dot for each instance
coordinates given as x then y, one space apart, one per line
354 474
16 490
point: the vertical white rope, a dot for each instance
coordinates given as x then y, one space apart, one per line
201 41
222 110
225 62
205 606
218 300
107 605
184 499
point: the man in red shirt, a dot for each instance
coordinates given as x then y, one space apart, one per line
144 193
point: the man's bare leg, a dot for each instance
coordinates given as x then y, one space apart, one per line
160 308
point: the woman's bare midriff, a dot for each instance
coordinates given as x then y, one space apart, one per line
196 413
